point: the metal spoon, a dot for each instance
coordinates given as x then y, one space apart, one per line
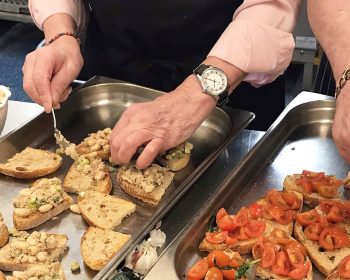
60 139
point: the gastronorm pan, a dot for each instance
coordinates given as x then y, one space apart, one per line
95 105
299 139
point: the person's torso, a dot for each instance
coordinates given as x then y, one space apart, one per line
155 43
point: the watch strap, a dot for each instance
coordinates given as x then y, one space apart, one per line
200 69
223 98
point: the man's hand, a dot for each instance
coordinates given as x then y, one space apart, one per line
49 71
341 124
160 124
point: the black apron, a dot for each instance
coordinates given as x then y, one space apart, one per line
155 43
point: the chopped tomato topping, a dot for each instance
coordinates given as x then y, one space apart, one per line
344 268
326 205
300 272
313 231
306 185
214 274
307 218
216 237
333 238
346 207
295 257
279 236
229 274
268 256
275 198
336 214
293 244
226 223
198 271
230 240
287 217
282 265
257 251
254 228
242 217
220 214
255 211
218 258
239 233
292 200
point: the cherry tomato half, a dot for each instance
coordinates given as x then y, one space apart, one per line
307 218
198 271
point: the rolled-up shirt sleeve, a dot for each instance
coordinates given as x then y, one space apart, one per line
40 10
259 39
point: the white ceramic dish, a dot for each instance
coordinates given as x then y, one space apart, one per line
5 94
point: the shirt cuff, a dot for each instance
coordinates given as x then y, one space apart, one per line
40 10
258 49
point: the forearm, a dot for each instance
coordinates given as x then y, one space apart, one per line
329 21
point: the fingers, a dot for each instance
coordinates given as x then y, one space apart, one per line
42 74
28 86
149 153
60 85
129 145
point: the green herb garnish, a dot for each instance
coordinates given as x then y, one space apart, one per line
212 224
243 269
32 203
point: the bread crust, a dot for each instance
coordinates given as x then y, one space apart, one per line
103 186
153 198
4 235
20 173
38 218
312 199
175 164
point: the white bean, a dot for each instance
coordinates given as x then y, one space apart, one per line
22 212
45 208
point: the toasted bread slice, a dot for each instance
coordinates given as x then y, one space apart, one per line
176 158
4 233
103 210
88 174
99 246
25 250
245 246
96 142
31 163
148 185
325 261
2 276
312 199
41 202
40 271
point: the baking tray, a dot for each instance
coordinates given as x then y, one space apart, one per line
95 105
299 139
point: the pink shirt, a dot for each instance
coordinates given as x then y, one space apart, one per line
258 40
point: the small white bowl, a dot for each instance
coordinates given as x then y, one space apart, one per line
5 94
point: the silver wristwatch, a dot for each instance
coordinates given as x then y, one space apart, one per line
213 81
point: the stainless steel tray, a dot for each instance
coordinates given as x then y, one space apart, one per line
299 139
95 105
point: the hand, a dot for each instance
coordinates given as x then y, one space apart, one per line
341 124
49 71
160 124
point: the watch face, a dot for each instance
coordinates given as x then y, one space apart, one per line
214 81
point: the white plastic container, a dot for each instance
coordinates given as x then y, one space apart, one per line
5 94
